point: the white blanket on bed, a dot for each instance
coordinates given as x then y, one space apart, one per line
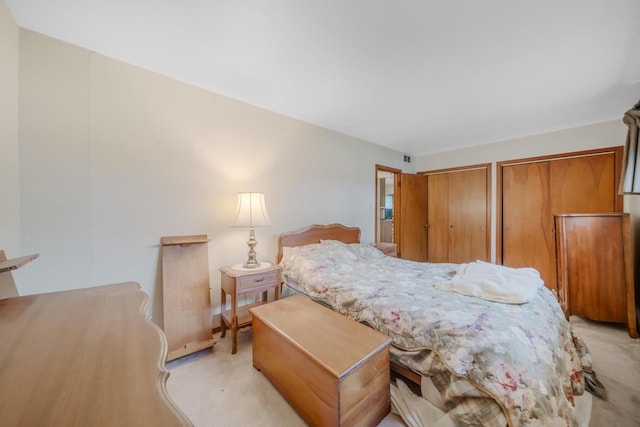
494 282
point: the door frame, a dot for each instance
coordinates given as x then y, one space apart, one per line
396 202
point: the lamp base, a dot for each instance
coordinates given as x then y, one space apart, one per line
251 262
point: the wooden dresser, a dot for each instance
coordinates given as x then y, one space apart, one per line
595 271
87 357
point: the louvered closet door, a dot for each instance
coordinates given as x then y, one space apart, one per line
527 233
468 216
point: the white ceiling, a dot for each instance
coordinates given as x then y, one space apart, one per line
419 76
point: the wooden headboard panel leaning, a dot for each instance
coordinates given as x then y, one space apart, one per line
315 233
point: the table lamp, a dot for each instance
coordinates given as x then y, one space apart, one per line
252 212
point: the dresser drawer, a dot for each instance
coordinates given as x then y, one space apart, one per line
258 280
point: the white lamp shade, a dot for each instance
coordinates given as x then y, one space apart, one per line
252 211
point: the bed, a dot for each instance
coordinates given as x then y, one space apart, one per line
482 362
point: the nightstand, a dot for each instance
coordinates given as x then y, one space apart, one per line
237 282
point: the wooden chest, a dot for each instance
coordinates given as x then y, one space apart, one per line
332 370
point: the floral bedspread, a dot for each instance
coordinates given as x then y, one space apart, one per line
522 356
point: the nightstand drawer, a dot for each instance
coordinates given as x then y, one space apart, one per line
257 280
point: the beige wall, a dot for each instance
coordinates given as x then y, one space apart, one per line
114 157
9 187
600 135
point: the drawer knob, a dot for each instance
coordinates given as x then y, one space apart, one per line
258 280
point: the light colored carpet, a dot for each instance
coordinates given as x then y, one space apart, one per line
616 361
216 388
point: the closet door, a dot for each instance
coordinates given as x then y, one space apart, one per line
533 190
438 218
458 214
413 217
468 216
527 226
583 184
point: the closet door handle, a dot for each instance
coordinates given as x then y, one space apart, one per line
506 229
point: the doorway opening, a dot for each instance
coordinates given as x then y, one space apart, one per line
387 204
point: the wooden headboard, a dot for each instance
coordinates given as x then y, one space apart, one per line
315 233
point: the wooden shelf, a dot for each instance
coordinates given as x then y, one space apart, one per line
242 313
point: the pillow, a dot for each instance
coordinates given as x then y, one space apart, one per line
366 251
286 250
332 242
360 250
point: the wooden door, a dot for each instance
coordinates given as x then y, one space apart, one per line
438 218
527 228
533 190
459 214
413 217
583 184
467 216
